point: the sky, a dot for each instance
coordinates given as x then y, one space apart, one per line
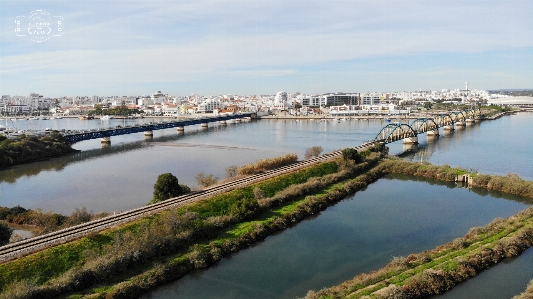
257 47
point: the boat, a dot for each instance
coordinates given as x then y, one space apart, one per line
106 117
387 119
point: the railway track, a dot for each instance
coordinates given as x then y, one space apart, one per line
16 250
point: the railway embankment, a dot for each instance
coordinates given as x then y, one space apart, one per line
180 239
129 260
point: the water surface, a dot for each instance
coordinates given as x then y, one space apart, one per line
392 217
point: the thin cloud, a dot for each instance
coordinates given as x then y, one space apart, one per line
138 42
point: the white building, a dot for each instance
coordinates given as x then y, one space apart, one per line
208 105
158 97
39 102
370 99
280 101
169 109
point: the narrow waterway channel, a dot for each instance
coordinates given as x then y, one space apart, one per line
395 216
505 280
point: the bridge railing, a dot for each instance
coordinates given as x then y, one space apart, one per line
129 129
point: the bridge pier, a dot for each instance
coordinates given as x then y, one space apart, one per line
409 147
105 141
148 135
448 128
460 124
470 121
410 140
433 133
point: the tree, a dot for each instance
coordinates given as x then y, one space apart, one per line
313 152
231 171
351 154
206 180
166 187
5 233
79 216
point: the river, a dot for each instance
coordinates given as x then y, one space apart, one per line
392 217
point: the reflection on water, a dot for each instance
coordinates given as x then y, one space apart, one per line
57 164
505 280
121 176
395 216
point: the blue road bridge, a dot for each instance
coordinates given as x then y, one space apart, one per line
106 133
409 132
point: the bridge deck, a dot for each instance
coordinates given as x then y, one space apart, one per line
77 136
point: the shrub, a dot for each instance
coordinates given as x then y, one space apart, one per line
205 180
244 209
5 233
79 216
351 154
166 187
313 152
259 194
267 164
231 171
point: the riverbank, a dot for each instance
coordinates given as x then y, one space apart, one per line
27 149
209 230
286 207
435 271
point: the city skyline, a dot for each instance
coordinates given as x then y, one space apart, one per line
260 47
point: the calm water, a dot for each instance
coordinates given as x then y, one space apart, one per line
491 147
393 217
506 280
122 176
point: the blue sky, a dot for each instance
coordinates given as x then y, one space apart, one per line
261 47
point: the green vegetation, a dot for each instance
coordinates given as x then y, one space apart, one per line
351 154
118 110
26 149
5 233
433 272
177 241
127 261
166 187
